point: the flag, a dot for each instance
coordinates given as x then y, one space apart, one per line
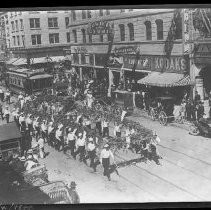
173 33
137 57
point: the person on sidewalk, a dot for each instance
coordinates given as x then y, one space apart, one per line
22 122
7 114
1 95
44 130
29 123
1 112
99 125
200 110
105 156
51 134
80 147
59 137
73 194
71 140
117 129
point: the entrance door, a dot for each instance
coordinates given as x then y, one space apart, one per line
205 73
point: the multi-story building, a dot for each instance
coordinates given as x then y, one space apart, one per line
36 34
2 40
144 29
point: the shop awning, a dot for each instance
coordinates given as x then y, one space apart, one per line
41 76
165 80
39 60
57 58
11 60
20 61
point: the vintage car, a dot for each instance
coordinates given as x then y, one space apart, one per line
10 140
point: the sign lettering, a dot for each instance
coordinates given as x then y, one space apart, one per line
80 50
100 27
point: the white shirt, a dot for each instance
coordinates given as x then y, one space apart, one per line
28 120
81 142
105 124
29 164
50 128
106 154
44 127
58 134
21 119
6 112
35 123
41 142
20 97
91 146
71 136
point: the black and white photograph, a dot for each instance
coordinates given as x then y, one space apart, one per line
105 105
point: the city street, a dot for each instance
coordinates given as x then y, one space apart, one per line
183 176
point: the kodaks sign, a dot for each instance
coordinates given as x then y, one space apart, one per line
176 64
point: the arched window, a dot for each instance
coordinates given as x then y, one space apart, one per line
148 30
83 35
83 14
159 24
131 31
122 32
178 23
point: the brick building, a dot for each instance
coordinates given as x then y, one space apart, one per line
143 29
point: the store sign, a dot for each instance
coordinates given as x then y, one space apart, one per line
125 50
100 27
186 31
177 64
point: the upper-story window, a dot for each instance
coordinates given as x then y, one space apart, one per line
36 39
90 38
53 22
122 10
67 21
89 14
159 24
148 30
21 24
131 31
13 25
54 38
68 37
14 40
101 37
178 27
16 25
74 15
75 36
83 14
23 40
34 22
122 32
107 12
83 35
100 12
18 40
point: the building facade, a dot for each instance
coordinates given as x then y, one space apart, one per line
144 29
36 34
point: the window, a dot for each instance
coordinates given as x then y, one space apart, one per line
122 32
83 35
14 40
74 15
23 40
13 26
131 31
16 25
122 10
36 39
178 31
54 38
67 20
68 36
90 38
75 36
83 14
159 24
101 38
83 59
148 30
52 23
107 12
18 40
89 14
34 22
21 23
101 12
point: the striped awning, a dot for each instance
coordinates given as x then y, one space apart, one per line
20 61
12 60
165 80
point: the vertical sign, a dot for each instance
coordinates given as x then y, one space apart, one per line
186 31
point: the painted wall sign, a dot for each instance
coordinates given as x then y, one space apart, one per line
100 27
186 31
80 50
125 50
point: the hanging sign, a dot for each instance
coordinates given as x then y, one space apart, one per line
125 50
186 31
100 27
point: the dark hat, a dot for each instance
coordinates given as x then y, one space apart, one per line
73 184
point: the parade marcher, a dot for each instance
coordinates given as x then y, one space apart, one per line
51 134
22 122
105 156
91 149
88 123
80 147
73 194
105 127
36 126
1 95
59 137
117 129
28 138
71 141
41 145
20 96
44 130
29 123
127 138
1 112
7 114
7 97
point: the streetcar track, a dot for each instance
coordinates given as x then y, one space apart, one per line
152 174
